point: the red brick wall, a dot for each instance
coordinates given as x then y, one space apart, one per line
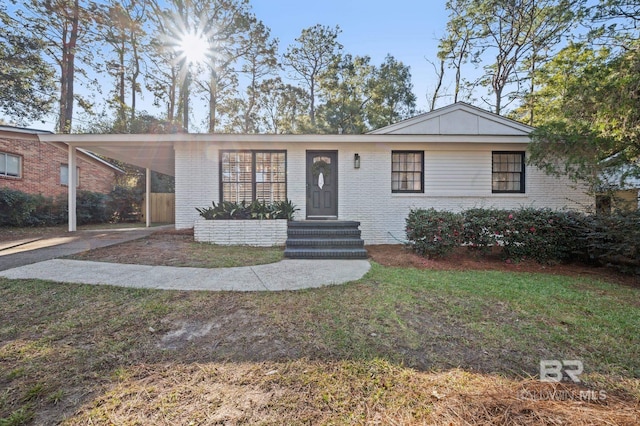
41 168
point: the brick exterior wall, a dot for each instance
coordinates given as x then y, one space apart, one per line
457 176
257 233
41 168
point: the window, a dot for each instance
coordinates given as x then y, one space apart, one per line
253 175
508 172
64 175
407 168
10 165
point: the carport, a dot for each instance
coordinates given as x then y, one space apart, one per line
149 151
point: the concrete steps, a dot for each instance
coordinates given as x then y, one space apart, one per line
324 239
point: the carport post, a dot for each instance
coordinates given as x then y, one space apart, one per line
148 198
72 178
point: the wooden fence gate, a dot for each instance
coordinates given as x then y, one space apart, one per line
163 208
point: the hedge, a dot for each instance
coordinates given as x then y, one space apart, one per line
20 209
544 235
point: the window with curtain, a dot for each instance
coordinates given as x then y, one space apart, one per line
508 172
253 175
407 171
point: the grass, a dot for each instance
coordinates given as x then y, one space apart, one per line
202 255
184 253
400 346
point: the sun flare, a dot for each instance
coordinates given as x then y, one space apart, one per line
194 47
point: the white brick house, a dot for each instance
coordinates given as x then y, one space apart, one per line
453 158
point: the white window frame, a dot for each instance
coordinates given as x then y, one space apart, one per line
65 182
4 157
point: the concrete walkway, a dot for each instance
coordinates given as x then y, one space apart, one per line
288 274
38 258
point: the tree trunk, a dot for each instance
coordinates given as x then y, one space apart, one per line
185 101
213 103
69 41
122 116
440 75
134 74
312 109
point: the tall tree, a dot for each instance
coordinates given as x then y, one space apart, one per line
225 25
615 21
458 46
512 38
65 28
163 77
392 97
517 30
282 107
589 115
346 90
26 80
309 56
121 27
260 61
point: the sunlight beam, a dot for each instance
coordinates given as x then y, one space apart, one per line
194 47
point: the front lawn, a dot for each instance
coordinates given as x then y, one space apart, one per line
402 345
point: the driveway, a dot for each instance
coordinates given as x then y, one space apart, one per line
32 250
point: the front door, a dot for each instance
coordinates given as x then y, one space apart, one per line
322 184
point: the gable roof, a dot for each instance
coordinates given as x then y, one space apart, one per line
456 119
15 132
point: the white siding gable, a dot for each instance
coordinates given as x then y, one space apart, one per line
457 119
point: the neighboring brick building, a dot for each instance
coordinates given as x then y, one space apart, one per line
35 167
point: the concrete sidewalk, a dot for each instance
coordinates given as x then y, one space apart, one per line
288 274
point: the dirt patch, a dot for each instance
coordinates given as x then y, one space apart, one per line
463 259
178 248
160 248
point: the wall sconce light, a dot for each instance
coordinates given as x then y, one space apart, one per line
356 161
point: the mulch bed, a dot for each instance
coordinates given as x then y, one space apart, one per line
464 259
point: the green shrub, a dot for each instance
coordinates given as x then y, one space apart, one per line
284 210
91 208
124 204
544 235
51 211
255 210
614 240
16 207
480 226
434 233
21 209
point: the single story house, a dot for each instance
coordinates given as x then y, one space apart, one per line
35 167
453 158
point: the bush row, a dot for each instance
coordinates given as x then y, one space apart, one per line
21 209
544 235
254 210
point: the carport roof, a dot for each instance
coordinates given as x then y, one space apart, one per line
156 151
139 150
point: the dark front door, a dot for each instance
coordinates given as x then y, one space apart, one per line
322 184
